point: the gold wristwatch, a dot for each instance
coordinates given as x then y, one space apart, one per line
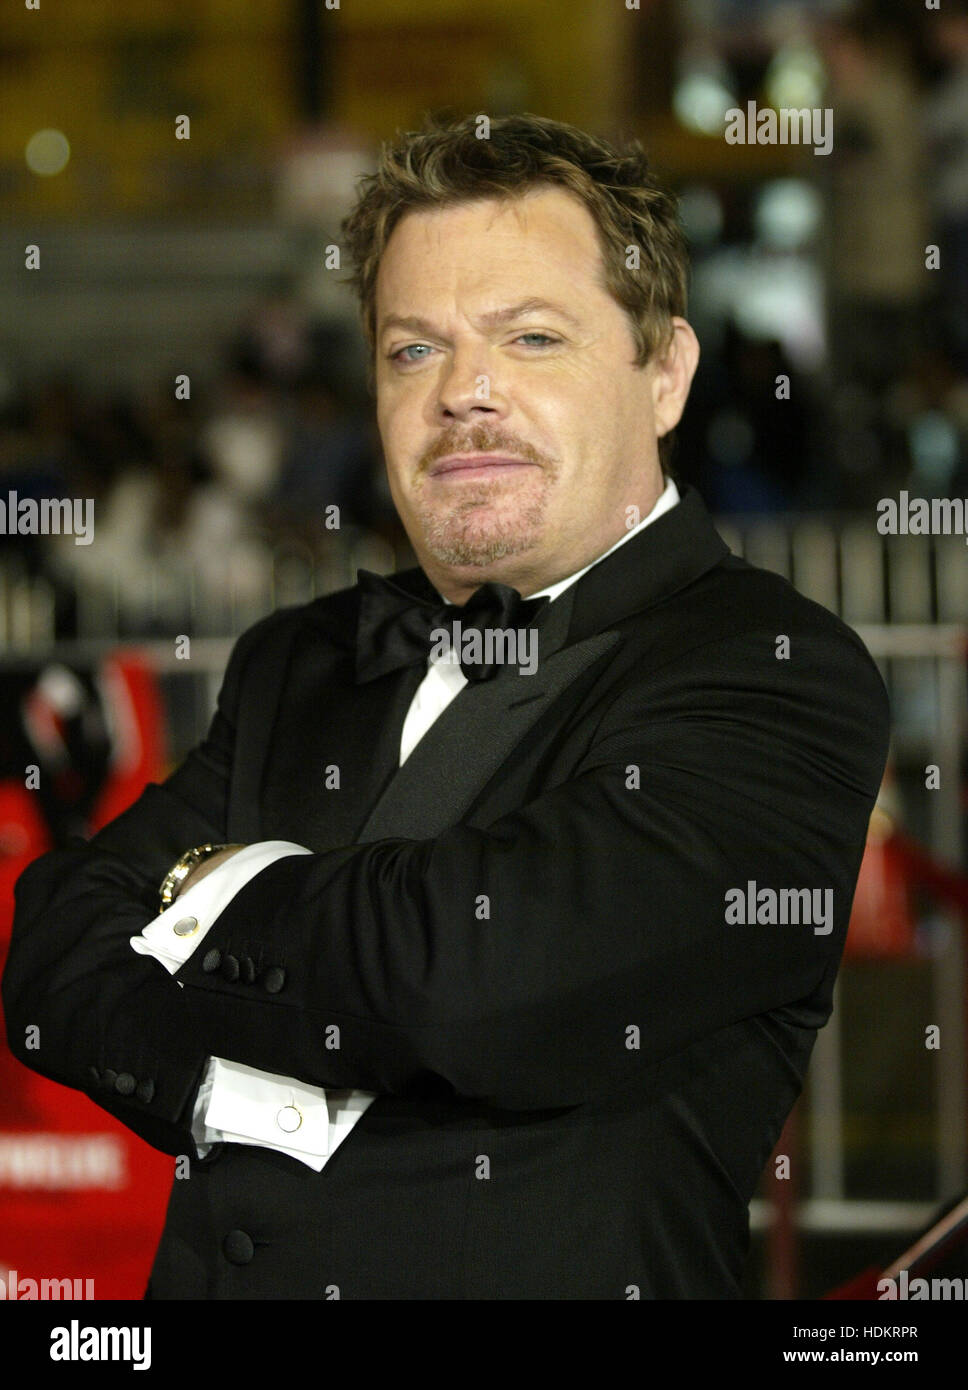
180 870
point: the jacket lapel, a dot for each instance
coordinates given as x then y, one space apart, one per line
480 728
467 744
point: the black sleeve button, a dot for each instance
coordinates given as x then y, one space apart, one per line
125 1084
108 1078
230 968
212 960
274 980
247 970
238 1247
145 1091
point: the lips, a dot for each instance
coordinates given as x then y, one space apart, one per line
462 463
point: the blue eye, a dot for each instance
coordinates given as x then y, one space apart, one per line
409 348
402 354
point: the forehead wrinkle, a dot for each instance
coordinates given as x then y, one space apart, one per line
493 318
433 223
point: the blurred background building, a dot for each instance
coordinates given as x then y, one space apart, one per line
185 353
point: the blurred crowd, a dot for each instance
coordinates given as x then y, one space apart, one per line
884 405
276 449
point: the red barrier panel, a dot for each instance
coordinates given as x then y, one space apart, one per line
81 1197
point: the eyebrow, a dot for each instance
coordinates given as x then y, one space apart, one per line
495 318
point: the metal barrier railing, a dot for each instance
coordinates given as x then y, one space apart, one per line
840 561
157 597
940 652
845 564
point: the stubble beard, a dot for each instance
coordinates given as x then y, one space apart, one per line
488 522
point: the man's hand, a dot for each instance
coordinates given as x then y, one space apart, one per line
206 867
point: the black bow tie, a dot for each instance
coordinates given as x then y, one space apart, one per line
396 626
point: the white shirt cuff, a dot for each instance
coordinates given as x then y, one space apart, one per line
175 933
235 1103
248 1106
242 1105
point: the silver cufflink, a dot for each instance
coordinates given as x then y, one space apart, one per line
289 1118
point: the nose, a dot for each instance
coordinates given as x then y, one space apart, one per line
467 389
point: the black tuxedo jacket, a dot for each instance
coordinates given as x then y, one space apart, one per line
519 940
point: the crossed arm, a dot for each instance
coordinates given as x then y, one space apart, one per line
508 961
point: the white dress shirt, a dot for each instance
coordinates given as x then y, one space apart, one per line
239 1104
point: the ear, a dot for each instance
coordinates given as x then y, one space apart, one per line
673 370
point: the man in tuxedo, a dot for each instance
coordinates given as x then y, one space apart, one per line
502 903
